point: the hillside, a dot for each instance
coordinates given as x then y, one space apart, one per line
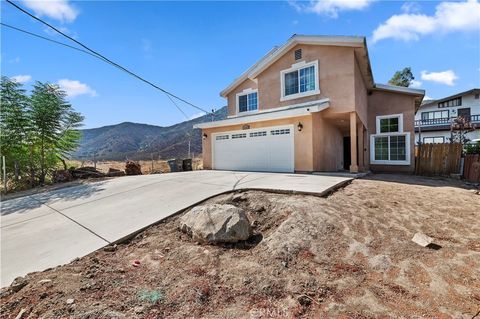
141 141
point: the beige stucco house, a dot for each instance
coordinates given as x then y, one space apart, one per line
312 105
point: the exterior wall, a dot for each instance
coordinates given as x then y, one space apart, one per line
327 145
232 97
303 140
468 100
387 103
361 99
336 79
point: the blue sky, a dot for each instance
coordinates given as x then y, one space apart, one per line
195 49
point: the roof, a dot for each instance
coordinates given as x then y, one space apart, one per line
358 42
398 89
271 114
471 91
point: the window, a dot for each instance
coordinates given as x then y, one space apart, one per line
300 80
477 96
280 132
390 145
389 125
432 140
239 135
449 103
435 115
256 134
247 102
221 137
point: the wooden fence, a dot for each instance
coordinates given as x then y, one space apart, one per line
471 168
438 159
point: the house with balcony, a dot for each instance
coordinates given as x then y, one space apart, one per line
434 118
312 105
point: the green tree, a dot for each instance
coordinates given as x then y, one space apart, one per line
14 124
402 78
55 126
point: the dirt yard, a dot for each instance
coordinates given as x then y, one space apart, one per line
346 256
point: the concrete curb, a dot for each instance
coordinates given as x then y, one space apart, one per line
325 193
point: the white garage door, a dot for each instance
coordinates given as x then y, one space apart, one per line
269 149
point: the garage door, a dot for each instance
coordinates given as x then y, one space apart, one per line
269 149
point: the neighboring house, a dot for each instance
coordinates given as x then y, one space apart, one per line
312 105
434 118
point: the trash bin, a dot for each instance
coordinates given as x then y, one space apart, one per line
187 164
175 165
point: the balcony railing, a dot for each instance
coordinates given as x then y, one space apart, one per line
445 121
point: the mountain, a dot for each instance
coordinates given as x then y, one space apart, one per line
142 141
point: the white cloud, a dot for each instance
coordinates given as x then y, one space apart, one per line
445 77
60 10
330 8
415 84
74 88
22 78
426 98
448 17
411 7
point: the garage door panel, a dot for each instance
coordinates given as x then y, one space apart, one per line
267 149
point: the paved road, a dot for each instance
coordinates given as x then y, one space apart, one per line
52 228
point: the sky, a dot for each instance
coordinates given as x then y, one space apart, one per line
196 49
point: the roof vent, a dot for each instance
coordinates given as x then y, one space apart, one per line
298 54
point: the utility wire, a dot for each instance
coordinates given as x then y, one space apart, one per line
105 58
83 51
48 39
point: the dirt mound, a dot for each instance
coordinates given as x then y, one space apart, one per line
347 256
132 168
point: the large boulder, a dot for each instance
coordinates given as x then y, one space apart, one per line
216 223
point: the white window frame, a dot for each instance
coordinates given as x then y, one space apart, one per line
246 92
388 134
381 117
296 67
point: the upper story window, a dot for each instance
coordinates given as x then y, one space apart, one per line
453 102
435 115
299 81
247 102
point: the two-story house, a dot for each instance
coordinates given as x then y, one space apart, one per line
434 118
312 105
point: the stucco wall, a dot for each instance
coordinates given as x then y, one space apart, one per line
386 103
336 79
327 145
303 140
361 100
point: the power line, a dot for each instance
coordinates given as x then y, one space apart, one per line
48 39
105 58
83 51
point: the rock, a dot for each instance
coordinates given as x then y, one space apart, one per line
61 176
44 281
70 301
422 239
113 172
18 284
110 248
216 223
132 168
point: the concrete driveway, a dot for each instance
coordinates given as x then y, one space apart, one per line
52 228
